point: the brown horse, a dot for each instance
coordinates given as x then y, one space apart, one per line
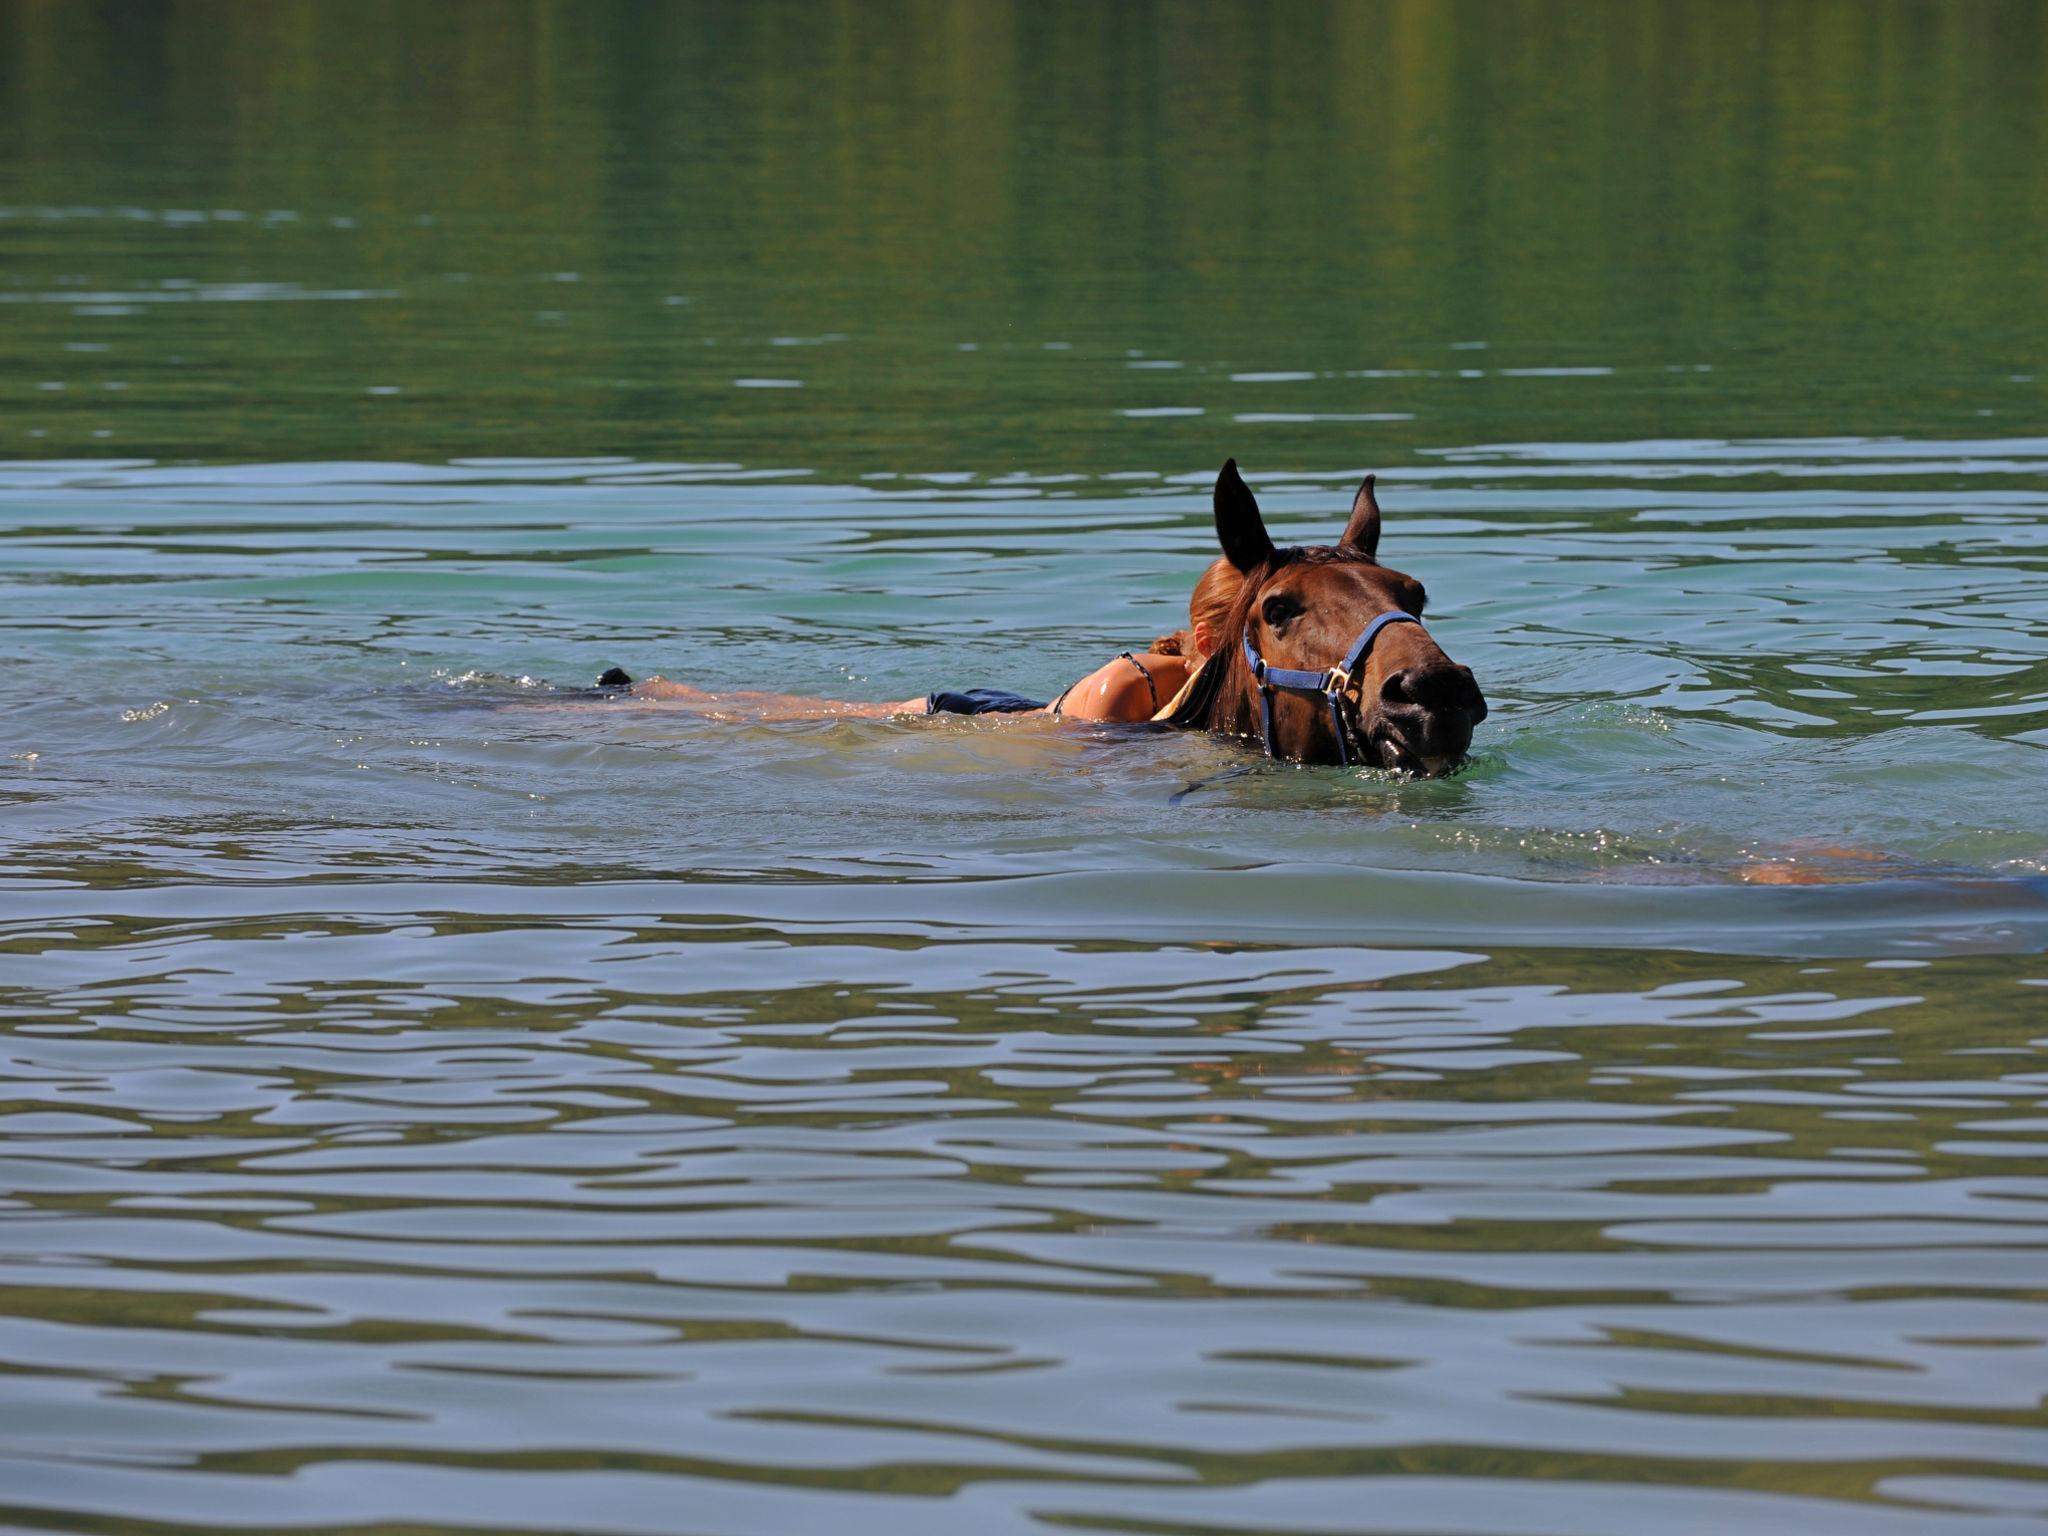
1404 704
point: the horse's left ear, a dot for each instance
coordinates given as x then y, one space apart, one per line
1362 533
1239 528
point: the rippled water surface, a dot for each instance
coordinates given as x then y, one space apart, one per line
434 1099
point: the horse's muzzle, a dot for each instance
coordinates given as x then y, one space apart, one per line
1424 717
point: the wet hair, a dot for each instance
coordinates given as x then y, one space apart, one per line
1212 602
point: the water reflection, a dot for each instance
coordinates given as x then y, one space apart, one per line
1179 1235
1622 222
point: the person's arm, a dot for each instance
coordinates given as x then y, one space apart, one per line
1130 688
768 706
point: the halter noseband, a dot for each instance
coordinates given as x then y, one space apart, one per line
1330 684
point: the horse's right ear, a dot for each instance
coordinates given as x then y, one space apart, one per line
1362 533
1239 528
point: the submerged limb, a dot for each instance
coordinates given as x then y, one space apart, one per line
1817 864
1130 688
758 705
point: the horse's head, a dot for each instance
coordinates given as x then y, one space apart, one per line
1404 704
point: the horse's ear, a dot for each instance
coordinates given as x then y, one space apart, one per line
1239 528
1362 533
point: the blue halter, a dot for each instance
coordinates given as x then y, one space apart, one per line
1330 684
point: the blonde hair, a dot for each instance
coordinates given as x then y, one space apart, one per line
1211 603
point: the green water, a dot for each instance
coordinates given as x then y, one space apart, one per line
570 230
433 1101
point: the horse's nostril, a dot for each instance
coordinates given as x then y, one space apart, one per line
1441 690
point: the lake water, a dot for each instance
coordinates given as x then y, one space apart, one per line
433 1101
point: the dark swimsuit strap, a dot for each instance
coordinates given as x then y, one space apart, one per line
1150 686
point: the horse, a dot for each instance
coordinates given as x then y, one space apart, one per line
1325 658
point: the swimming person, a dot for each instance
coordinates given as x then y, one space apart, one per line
1133 688
1130 688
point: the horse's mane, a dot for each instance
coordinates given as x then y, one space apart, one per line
1200 702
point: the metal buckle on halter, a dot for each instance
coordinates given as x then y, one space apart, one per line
1336 681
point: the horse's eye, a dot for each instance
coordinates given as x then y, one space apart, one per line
1279 608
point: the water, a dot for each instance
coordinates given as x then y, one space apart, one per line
433 1101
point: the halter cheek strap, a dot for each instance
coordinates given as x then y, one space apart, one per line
1330 684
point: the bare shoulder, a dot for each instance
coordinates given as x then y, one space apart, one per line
1126 688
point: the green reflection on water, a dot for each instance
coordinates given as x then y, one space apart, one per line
556 229
1304 1117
